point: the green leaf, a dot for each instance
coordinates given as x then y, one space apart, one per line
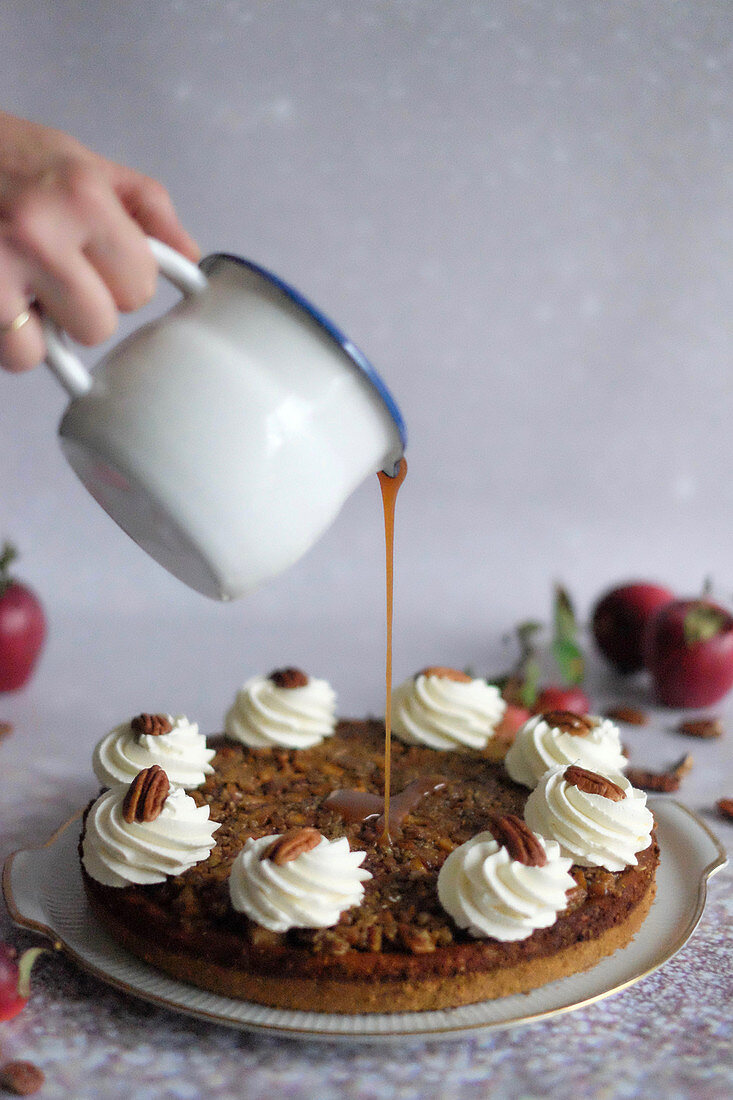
521 683
526 632
564 646
564 616
570 661
531 672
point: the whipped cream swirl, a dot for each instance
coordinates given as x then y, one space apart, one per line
264 715
488 893
310 891
444 713
540 745
116 852
592 830
182 754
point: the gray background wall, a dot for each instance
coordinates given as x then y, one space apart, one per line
520 211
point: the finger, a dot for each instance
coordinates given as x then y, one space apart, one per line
45 240
73 294
21 341
121 256
79 213
148 202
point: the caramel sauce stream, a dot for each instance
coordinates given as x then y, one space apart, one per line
390 487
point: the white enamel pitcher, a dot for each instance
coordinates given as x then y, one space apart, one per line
225 436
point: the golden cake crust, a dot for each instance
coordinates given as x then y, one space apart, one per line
399 951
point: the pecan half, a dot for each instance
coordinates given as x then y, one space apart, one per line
660 782
5 728
291 845
593 783
701 727
21 1078
446 673
569 722
146 795
724 806
632 716
154 725
683 766
520 842
289 678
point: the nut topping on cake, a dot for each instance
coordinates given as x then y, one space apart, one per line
291 845
519 840
146 795
593 783
154 725
569 722
289 678
445 673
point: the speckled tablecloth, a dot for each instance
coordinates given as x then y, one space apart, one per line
667 1036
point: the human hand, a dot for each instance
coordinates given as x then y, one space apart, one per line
72 240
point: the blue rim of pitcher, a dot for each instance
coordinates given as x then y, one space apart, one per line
354 353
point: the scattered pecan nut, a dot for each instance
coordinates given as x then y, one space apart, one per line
291 845
683 766
520 842
566 720
5 729
146 795
21 1078
660 782
289 678
445 673
593 783
706 728
725 807
632 716
154 725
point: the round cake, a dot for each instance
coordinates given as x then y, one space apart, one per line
274 880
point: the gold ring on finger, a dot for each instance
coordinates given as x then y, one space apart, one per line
17 323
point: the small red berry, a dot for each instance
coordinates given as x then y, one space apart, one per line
557 697
15 979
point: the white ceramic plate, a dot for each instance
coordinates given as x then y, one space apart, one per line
43 891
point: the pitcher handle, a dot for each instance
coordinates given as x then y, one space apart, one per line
68 367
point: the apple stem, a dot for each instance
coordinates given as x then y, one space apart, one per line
25 965
8 554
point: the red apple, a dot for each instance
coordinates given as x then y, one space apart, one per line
557 697
688 649
22 627
619 619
